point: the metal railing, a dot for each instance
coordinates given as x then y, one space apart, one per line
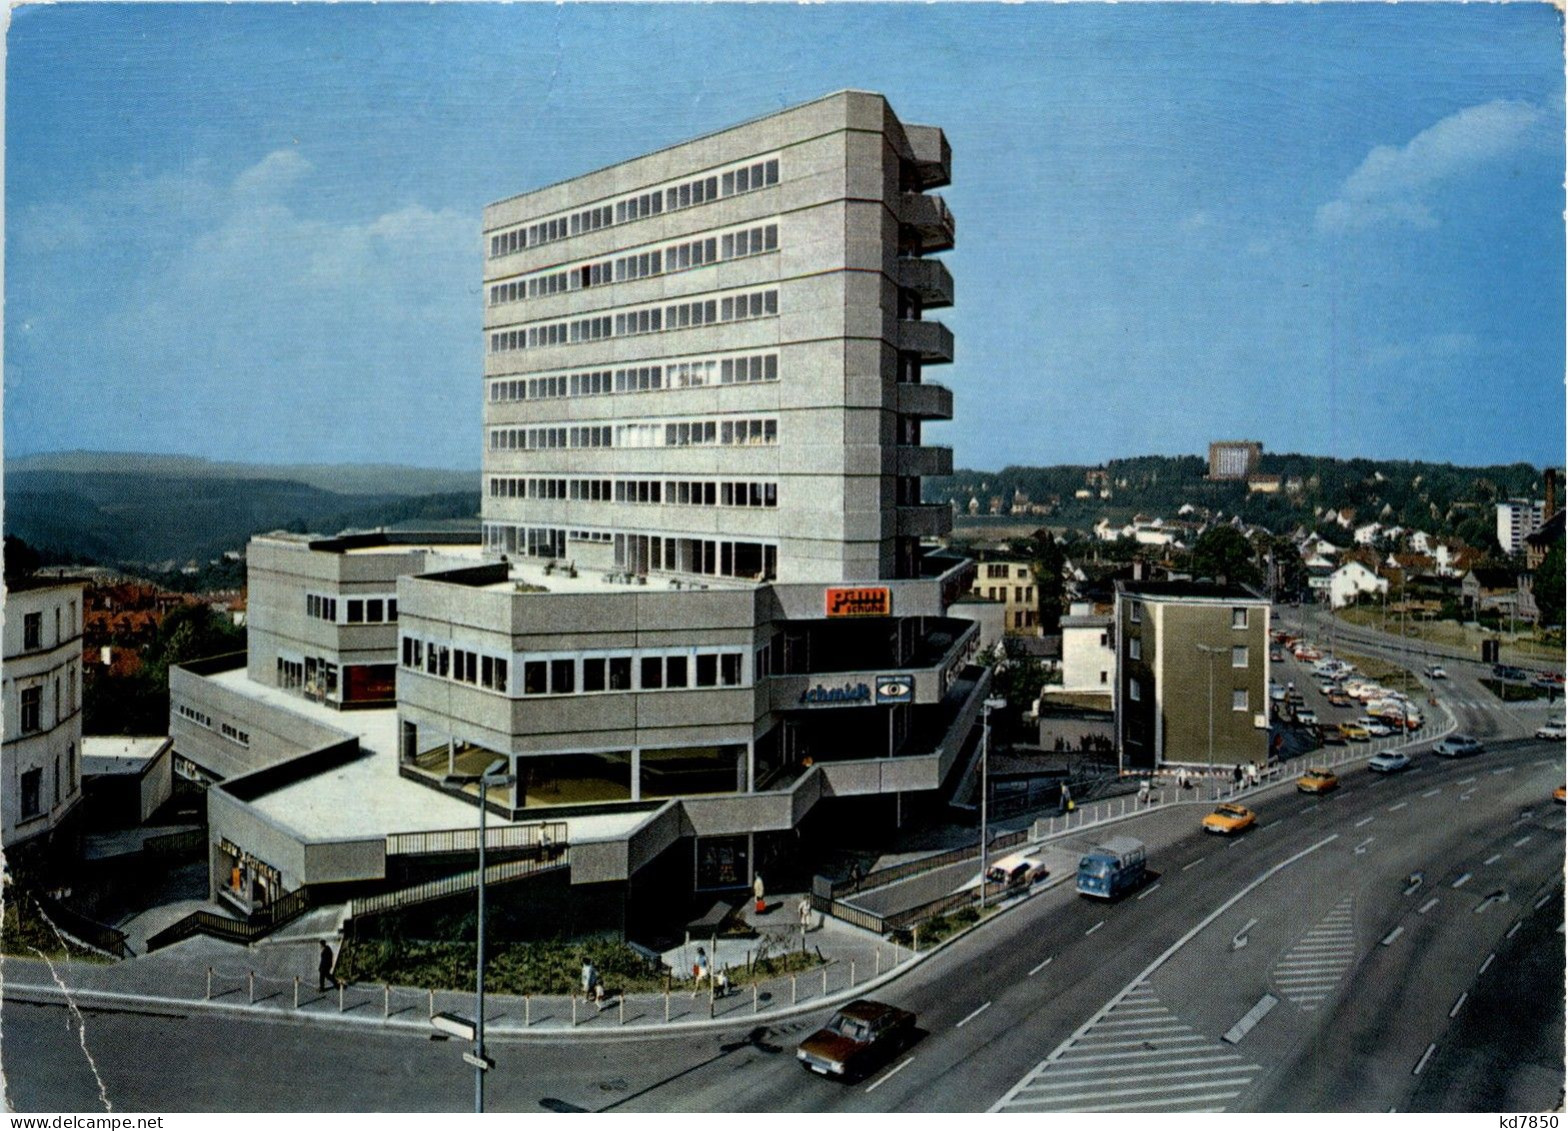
282 910
547 834
175 844
455 885
79 928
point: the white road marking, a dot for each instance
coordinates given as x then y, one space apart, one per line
1194 864
1540 903
1544 762
1458 1004
973 1015
1361 849
1365 821
1150 890
1432 793
1270 825
1491 958
1514 930
1392 935
1426 1056
889 1075
1524 840
1095 928
1427 906
1493 859
1396 808
1504 770
1042 966
1466 795
1464 781
1462 880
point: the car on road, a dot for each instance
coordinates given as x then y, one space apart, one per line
1307 716
858 1038
1551 729
1017 871
1276 657
1353 732
1457 746
1328 688
1228 820
1435 671
1330 736
1390 762
1116 866
1377 728
1560 794
1340 699
1318 781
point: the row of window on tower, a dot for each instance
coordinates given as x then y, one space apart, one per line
648 320
582 673
686 256
692 374
744 431
673 492
686 194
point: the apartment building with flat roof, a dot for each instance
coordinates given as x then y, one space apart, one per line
699 608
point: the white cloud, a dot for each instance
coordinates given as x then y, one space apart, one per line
1392 184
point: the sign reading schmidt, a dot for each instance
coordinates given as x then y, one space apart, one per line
861 601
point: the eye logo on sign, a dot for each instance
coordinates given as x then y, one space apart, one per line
895 689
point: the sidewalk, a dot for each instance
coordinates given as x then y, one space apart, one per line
263 980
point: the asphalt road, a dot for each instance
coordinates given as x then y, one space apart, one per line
1074 983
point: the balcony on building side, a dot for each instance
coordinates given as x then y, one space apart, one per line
923 460
932 342
926 520
933 157
928 278
927 216
925 401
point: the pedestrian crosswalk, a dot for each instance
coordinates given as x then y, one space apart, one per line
1311 969
1139 1056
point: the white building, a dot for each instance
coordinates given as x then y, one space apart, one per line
1088 650
1350 581
40 771
1517 519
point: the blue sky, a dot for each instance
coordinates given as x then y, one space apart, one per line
252 231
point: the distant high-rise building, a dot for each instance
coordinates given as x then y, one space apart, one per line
1517 519
1234 459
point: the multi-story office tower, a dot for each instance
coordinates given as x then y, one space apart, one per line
701 609
42 769
1517 519
708 361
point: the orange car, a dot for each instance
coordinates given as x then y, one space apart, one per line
1317 781
1229 819
1560 794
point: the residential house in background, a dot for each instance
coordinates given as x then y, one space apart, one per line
1013 584
1088 650
1351 580
1192 674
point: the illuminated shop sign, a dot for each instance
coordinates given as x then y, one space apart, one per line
848 694
895 689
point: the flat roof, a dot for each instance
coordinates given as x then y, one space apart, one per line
559 580
1189 591
119 754
366 798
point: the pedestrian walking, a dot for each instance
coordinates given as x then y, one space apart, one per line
803 910
699 970
1143 792
1236 775
590 976
721 983
758 890
324 964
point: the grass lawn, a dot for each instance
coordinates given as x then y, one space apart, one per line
25 932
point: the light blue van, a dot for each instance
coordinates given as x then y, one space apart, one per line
1109 869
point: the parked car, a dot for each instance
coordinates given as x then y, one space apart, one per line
1229 819
1330 736
1389 763
1553 729
1457 746
1340 699
1354 733
1277 657
1435 671
1377 728
1016 871
860 1036
1307 717
1318 781
1560 794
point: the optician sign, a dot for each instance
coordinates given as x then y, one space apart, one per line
895 689
849 694
861 601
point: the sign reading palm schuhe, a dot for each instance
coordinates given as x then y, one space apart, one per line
861 601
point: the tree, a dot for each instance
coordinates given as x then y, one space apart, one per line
1290 572
20 558
1549 586
1048 563
1224 553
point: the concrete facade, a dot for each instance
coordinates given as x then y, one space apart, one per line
1088 650
1192 674
1013 584
833 344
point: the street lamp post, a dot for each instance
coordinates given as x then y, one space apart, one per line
1211 651
493 775
985 786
